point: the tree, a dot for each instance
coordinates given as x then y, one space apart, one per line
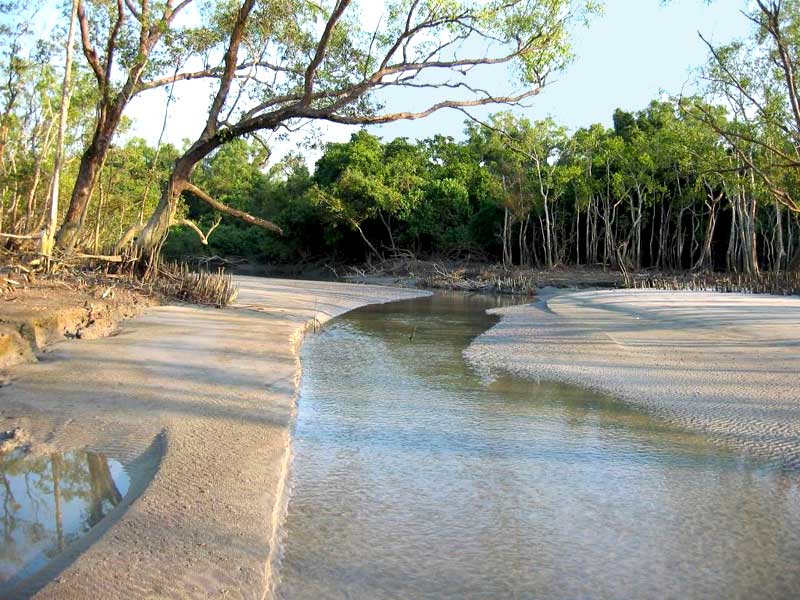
52 221
757 79
130 61
337 75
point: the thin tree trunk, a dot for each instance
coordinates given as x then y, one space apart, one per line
48 237
98 217
387 225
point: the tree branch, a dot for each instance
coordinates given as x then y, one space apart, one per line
88 50
322 46
410 116
193 226
132 7
112 42
229 71
227 210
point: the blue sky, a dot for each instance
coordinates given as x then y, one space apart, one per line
635 52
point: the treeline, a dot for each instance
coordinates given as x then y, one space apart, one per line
705 183
265 66
660 189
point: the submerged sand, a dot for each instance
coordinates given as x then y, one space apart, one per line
722 364
204 399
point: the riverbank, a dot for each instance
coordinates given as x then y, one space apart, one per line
35 315
721 364
206 396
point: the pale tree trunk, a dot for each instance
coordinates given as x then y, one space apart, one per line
506 239
548 240
705 260
152 235
37 173
49 234
781 256
733 263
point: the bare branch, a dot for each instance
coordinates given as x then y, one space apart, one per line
193 226
112 41
229 71
223 208
410 116
88 50
322 46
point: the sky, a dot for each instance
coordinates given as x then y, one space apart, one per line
637 51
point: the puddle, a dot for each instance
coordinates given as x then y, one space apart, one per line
49 501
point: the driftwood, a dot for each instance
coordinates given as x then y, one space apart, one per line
101 257
457 279
14 236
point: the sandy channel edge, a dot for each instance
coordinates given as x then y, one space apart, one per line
206 399
721 364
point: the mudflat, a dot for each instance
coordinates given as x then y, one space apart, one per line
723 364
204 399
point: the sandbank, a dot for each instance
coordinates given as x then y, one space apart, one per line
204 400
722 364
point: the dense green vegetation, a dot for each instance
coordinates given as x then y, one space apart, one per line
659 189
692 183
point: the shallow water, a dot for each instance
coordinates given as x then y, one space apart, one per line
415 477
49 501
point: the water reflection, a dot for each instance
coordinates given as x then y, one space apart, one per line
415 477
48 501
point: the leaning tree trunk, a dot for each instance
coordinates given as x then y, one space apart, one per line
154 232
150 237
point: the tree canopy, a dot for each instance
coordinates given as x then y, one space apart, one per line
708 181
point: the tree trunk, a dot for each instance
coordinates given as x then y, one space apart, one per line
387 223
98 218
155 231
731 259
102 487
47 238
705 260
506 252
90 166
548 241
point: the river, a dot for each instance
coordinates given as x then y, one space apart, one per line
414 476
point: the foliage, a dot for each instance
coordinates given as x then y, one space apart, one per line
696 183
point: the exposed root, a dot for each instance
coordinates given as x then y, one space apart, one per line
170 280
486 281
781 283
177 280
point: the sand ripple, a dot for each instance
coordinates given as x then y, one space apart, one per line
724 364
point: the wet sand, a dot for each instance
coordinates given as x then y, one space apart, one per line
204 398
722 364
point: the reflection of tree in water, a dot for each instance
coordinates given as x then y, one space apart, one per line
47 502
105 494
